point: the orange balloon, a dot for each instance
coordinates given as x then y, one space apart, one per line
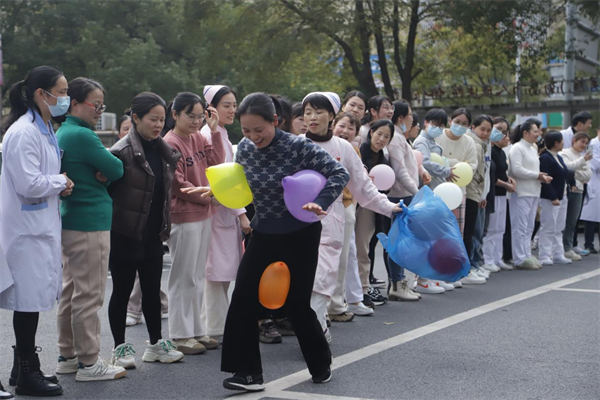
274 285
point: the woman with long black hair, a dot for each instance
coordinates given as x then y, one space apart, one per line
30 225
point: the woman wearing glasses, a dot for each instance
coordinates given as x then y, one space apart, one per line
225 251
378 107
86 224
191 217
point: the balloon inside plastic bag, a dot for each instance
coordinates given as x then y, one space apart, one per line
426 240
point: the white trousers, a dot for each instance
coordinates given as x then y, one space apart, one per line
552 223
189 243
522 221
354 290
215 307
337 304
318 302
492 242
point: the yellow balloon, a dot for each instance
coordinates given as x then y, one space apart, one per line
229 185
436 158
464 173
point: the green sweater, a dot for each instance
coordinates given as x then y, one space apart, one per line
89 207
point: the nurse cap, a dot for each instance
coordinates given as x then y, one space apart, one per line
333 98
210 91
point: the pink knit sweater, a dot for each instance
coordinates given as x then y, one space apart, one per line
196 155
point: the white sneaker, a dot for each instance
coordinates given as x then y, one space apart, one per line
400 291
163 351
360 309
100 371
327 334
457 285
429 287
503 266
580 251
132 321
571 255
482 273
546 261
473 279
122 356
491 267
189 346
448 287
67 366
562 260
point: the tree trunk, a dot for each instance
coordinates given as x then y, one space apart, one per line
381 55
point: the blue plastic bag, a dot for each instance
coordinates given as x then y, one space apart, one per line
426 240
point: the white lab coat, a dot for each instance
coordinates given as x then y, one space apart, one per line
225 251
332 234
30 224
591 203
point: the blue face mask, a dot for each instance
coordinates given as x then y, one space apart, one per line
458 130
539 139
403 127
496 135
434 131
61 107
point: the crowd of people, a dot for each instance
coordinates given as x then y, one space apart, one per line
71 210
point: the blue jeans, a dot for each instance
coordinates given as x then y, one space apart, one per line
396 272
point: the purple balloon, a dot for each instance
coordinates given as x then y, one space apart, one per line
301 188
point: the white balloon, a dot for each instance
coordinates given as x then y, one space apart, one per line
383 176
450 193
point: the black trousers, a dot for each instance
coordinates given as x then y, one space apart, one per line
471 210
25 325
300 251
123 275
507 238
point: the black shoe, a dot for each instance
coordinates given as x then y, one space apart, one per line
249 382
376 297
31 382
367 301
14 374
592 250
268 333
284 327
376 283
4 394
324 378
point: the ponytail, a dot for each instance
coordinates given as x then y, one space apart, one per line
18 104
21 96
517 133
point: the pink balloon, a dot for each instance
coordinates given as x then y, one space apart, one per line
301 188
383 176
419 158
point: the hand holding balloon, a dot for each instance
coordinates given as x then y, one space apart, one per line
315 208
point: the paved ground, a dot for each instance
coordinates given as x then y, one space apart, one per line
523 335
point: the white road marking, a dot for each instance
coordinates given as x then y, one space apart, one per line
277 387
578 290
312 396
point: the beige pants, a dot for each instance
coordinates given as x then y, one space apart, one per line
85 268
337 304
134 307
365 228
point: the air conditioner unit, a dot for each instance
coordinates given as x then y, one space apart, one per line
107 122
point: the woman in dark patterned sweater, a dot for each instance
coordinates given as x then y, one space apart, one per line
268 155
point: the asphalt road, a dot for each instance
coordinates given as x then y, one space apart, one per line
523 335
